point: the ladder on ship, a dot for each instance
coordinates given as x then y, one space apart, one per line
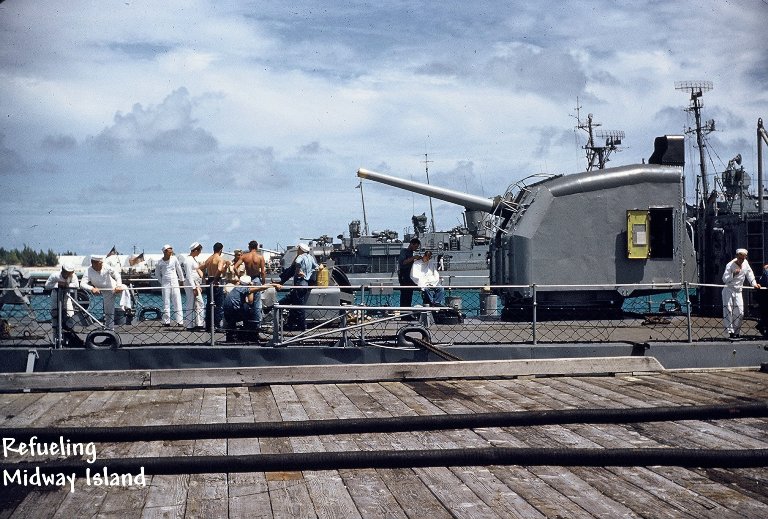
756 228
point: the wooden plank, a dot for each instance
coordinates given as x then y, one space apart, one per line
265 410
515 500
478 492
407 489
325 488
207 495
754 387
288 493
48 410
87 500
248 492
367 490
400 371
17 405
661 488
147 407
25 501
68 380
708 434
323 374
567 482
167 494
670 483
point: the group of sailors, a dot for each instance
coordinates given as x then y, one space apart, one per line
235 288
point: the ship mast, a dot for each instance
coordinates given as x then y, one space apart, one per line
761 134
597 155
365 218
697 89
431 211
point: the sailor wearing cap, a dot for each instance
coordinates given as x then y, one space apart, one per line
169 273
303 267
243 304
736 272
194 314
104 280
64 279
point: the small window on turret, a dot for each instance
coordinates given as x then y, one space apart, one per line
661 230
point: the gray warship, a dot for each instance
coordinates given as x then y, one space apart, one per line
463 252
641 229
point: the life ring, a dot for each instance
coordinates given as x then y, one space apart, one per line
402 336
110 340
154 311
669 306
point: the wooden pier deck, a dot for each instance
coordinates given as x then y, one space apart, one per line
436 492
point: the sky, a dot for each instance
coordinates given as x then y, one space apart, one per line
137 123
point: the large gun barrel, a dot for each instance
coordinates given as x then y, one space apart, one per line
472 202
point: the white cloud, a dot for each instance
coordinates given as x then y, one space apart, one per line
166 128
271 104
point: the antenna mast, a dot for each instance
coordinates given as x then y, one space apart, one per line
697 89
598 155
365 218
431 211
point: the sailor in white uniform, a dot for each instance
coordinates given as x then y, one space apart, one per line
66 279
424 273
106 281
169 273
193 316
736 272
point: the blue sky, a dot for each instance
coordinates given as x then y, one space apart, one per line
137 123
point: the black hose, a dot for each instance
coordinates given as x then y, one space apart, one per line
558 457
385 425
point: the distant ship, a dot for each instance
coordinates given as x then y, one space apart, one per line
462 252
371 258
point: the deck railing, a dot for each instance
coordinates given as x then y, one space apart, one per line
672 313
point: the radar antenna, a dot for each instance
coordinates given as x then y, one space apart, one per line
697 89
597 155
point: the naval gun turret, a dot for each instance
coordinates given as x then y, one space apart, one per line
478 210
614 232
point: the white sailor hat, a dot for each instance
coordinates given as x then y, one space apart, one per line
166 247
97 257
194 246
67 267
303 247
742 251
245 279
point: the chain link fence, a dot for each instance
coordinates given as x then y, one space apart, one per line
474 315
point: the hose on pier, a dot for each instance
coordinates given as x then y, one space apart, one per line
559 457
386 425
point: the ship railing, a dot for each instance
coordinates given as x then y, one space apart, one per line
482 314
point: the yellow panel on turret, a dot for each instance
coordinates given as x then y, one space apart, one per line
637 234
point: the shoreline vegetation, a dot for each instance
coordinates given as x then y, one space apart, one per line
28 257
